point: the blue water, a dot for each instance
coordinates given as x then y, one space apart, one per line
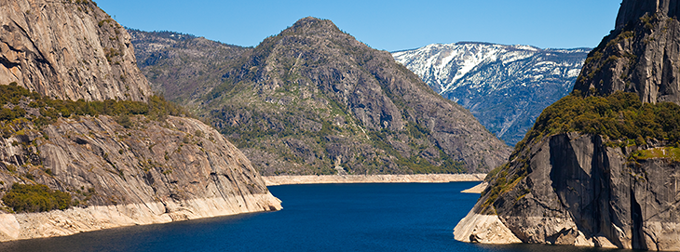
339 217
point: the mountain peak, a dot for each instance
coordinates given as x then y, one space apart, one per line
472 43
311 25
309 20
314 100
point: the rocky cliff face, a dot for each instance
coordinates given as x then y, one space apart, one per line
639 56
574 190
122 170
632 10
505 87
314 100
69 50
154 172
579 185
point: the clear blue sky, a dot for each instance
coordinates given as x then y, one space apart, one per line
386 25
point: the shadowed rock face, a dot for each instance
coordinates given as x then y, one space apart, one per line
577 189
68 50
632 10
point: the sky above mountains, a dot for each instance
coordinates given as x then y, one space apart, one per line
386 25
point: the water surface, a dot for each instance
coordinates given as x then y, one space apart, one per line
331 217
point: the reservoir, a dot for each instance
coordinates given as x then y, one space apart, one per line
329 217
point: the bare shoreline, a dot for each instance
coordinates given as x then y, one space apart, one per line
342 179
477 189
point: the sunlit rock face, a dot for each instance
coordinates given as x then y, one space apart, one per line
142 170
68 50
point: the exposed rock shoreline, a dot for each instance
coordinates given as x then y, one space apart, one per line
77 220
477 189
143 187
338 179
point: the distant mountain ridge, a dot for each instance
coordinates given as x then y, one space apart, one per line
504 86
171 61
314 100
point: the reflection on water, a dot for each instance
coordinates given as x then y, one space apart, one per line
346 217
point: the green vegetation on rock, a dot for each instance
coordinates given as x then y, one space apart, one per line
24 116
620 116
606 101
605 159
668 152
35 198
16 101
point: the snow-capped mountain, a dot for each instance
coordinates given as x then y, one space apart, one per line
505 86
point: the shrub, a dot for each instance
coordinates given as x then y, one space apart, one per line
51 109
124 120
35 198
619 116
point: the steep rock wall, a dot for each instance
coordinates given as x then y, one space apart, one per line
154 172
144 172
604 190
578 191
632 10
642 55
69 50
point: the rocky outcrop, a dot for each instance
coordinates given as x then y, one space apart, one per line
488 229
315 101
476 189
640 56
155 172
565 187
145 169
632 10
578 191
69 50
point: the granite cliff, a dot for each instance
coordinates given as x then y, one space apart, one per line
68 49
121 156
314 100
599 167
154 172
639 56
